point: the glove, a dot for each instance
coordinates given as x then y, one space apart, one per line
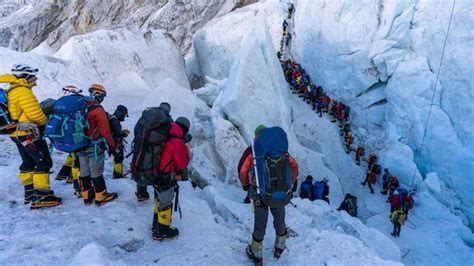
125 133
187 138
184 174
295 187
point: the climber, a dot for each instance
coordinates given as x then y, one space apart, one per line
359 153
306 188
332 111
119 136
348 141
270 149
321 190
349 204
344 128
92 157
370 179
393 185
385 181
285 25
142 192
291 8
172 168
24 109
398 218
288 39
372 159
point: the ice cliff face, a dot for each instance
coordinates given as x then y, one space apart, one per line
26 25
381 57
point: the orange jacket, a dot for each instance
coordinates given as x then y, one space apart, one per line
248 165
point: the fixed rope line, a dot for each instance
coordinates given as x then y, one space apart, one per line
433 96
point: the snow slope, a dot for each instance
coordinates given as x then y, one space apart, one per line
245 87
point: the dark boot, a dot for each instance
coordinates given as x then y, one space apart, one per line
247 200
29 192
45 199
64 173
87 192
165 232
101 195
142 193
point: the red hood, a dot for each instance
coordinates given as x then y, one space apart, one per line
176 131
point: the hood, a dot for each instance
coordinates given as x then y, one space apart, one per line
176 131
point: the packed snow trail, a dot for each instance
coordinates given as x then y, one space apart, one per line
215 229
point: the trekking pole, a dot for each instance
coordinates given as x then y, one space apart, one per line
294 205
176 202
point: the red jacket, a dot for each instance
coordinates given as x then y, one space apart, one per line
98 123
175 156
248 165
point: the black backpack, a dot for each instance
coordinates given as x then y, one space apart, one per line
151 132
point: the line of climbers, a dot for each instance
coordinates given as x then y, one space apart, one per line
79 126
299 81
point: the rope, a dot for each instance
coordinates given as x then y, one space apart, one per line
417 158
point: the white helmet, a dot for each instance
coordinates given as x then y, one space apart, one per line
70 90
24 71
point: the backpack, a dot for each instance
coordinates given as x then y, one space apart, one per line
66 126
273 171
408 201
318 190
7 125
376 169
306 190
351 203
150 134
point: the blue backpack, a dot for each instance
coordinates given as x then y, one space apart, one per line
306 190
7 125
318 190
66 126
273 171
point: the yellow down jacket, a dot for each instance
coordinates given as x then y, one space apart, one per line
22 103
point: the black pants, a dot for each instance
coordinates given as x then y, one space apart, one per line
118 158
396 229
35 156
261 219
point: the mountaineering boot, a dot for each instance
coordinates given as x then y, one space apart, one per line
280 245
165 231
101 194
142 193
44 199
29 192
65 171
254 252
393 234
87 193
